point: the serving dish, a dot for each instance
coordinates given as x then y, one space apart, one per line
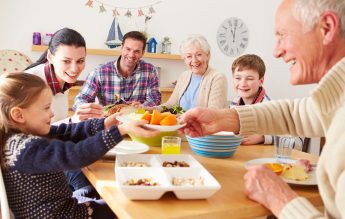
188 182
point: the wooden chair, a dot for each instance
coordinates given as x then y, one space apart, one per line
13 61
307 142
5 209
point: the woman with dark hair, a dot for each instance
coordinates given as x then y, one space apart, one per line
60 66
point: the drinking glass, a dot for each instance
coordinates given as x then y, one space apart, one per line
282 147
171 145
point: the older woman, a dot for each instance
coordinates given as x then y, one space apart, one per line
200 85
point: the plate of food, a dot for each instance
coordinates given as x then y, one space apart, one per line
128 147
164 122
297 172
108 110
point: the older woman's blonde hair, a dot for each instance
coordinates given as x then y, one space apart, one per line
197 40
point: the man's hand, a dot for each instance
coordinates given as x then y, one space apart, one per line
87 111
204 121
267 188
135 103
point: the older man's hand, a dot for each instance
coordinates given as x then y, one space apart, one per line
267 188
204 121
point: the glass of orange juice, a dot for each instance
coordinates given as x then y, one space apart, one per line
171 145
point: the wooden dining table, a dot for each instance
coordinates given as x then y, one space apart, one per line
229 202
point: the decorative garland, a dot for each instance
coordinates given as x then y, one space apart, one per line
145 10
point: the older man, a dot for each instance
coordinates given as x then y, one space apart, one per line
311 39
129 77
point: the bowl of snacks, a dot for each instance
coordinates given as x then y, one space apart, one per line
165 122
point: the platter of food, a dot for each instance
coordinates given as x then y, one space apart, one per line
116 108
297 172
149 176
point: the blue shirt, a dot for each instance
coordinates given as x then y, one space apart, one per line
188 99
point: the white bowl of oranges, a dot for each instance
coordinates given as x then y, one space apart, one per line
165 122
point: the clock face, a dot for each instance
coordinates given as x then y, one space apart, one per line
232 36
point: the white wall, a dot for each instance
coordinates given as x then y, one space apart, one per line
174 18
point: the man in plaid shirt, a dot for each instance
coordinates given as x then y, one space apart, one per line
130 78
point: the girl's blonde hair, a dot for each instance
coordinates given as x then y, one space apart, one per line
16 89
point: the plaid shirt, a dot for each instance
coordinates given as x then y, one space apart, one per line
52 80
105 82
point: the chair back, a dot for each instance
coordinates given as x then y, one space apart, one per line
13 61
5 209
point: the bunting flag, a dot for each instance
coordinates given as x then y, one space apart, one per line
102 9
145 10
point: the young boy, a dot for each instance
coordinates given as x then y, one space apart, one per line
248 73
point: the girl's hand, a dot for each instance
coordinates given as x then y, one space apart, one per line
111 120
137 129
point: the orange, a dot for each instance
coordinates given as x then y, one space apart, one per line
165 114
275 167
155 117
169 120
146 116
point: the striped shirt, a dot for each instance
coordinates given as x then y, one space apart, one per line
105 83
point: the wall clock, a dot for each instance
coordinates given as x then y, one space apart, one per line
232 36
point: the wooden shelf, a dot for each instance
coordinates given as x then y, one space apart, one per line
114 52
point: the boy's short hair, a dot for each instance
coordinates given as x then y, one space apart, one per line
249 62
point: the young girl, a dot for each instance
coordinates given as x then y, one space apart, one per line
34 154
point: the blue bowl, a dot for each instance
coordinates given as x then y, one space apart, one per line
211 154
214 146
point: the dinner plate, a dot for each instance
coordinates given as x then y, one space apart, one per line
310 181
162 128
128 147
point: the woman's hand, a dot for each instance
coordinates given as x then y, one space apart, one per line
87 111
267 188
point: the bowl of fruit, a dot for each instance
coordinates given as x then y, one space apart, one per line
165 122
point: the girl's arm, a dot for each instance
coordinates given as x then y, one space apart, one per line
40 155
76 131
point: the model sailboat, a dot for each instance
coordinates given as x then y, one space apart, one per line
115 35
